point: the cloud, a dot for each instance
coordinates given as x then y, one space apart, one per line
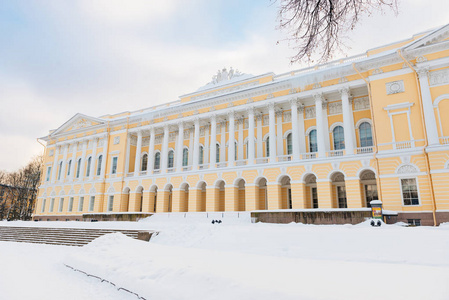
122 12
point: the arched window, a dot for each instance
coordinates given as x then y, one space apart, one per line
185 157
289 144
143 167
339 138
59 172
366 137
69 167
171 157
235 151
157 161
78 167
88 166
100 159
267 146
217 153
313 146
201 158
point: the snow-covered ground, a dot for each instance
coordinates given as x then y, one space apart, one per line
194 259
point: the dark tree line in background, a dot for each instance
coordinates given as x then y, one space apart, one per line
316 28
18 191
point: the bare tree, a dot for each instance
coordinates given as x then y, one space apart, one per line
19 190
320 25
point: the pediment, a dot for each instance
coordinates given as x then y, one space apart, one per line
78 121
433 37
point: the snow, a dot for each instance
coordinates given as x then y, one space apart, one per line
194 259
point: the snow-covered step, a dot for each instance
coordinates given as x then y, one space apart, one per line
63 236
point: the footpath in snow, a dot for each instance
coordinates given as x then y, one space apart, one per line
194 259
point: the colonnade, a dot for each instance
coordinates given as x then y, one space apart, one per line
255 149
78 164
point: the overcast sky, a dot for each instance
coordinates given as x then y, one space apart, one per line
97 57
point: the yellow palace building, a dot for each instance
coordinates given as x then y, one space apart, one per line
334 137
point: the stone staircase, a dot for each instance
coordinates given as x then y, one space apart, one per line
63 236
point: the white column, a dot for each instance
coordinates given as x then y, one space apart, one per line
93 159
429 113
138 152
272 132
191 129
240 141
55 165
279 133
180 146
206 149
259 118
150 165
164 152
105 155
64 161
348 122
83 160
196 143
72 167
128 150
295 134
250 111
223 141
321 130
301 129
231 139
213 141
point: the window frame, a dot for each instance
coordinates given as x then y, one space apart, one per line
338 144
315 144
417 191
99 162
361 140
114 165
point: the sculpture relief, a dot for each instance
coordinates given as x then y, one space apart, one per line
335 108
395 87
361 103
439 77
310 112
116 140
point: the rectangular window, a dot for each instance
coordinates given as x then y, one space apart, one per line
52 203
48 174
81 204
409 191
110 202
91 203
341 193
414 222
61 204
114 165
43 205
70 208
314 197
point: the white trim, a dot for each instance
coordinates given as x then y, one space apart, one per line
398 106
336 171
309 130
234 183
332 127
417 189
440 98
361 121
361 170
406 164
290 131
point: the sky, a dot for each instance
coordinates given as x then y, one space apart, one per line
98 57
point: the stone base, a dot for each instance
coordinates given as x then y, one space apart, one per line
424 218
116 217
312 217
94 217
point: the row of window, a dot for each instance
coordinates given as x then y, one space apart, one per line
78 168
366 140
80 204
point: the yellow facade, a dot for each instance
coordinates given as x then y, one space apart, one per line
334 136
